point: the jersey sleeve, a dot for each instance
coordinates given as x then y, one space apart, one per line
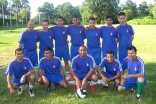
9 71
30 66
124 64
92 63
73 64
83 33
119 68
20 40
102 64
142 67
132 31
60 64
116 34
40 67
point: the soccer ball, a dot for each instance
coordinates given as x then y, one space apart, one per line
80 93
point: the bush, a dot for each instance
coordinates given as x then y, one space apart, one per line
144 21
7 21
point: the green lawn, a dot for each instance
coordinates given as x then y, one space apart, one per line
145 41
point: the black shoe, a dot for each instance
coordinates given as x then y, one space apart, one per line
138 98
31 93
133 90
56 86
49 87
115 87
104 87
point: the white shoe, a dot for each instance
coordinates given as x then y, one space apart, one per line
20 90
31 93
72 82
93 83
99 81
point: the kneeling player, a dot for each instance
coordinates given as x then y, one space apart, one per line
50 70
82 68
136 69
23 73
112 70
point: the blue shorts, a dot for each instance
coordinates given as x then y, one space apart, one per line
62 53
32 55
104 54
96 53
74 51
80 75
122 54
54 78
131 83
108 75
17 81
41 54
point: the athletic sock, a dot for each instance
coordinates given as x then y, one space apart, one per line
30 87
140 87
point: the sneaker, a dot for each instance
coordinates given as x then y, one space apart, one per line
20 90
56 86
138 97
49 87
92 88
115 87
75 88
104 87
31 93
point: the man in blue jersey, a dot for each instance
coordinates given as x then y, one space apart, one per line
45 37
82 69
136 72
126 36
93 35
27 42
50 70
77 34
23 72
61 43
110 37
112 70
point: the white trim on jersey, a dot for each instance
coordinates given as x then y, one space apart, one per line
9 66
132 28
120 67
20 37
58 59
73 60
102 61
94 64
142 65
28 60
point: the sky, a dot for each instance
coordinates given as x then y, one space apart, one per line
34 5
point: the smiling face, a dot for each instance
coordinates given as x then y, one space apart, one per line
31 25
91 24
110 57
19 55
45 26
109 21
83 51
75 21
48 54
60 22
131 54
122 19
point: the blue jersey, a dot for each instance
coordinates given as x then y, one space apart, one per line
60 34
45 39
50 67
93 37
109 36
77 34
83 65
125 33
19 68
134 66
111 68
28 40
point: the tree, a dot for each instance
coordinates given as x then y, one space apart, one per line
143 9
24 14
130 5
99 9
129 15
150 9
4 4
154 10
67 11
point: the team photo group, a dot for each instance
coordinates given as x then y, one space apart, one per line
85 63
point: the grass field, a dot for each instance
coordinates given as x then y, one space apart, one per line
145 41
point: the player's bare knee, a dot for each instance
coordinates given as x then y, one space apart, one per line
140 79
117 81
94 77
40 80
120 88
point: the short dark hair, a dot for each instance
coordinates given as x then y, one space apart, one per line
122 14
92 18
109 17
83 46
60 17
76 17
131 48
48 49
19 49
110 52
46 21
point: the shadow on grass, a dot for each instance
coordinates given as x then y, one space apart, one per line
3 43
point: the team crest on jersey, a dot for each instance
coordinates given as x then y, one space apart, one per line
64 32
54 66
111 34
136 69
127 31
49 37
80 32
96 34
25 68
87 64
114 69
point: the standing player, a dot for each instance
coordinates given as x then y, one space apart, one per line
93 35
126 36
110 37
136 75
82 68
112 70
45 38
27 42
50 70
61 43
77 34
23 72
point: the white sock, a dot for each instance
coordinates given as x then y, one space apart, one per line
30 87
104 84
